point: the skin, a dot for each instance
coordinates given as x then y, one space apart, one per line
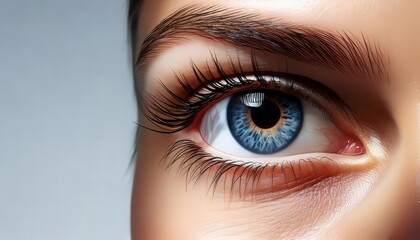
373 196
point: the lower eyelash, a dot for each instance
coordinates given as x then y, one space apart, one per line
245 178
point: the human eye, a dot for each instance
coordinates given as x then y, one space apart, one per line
271 122
251 132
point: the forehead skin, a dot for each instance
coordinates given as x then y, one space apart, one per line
394 25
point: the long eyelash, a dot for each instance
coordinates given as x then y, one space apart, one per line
172 113
194 163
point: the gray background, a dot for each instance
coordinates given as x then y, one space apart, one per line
67 120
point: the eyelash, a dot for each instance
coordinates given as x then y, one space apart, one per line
173 115
175 112
194 163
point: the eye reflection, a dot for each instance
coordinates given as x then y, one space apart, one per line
264 122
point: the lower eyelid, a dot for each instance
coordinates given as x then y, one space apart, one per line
237 177
345 163
280 179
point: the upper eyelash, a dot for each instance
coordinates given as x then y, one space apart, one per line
175 113
170 112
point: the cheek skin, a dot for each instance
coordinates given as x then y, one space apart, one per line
162 199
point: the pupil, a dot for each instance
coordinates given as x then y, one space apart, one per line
267 115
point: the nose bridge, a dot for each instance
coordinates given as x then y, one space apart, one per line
418 147
416 105
410 141
409 125
408 120
404 159
418 134
405 80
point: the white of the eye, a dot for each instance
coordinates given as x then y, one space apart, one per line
312 137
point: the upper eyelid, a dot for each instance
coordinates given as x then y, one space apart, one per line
344 52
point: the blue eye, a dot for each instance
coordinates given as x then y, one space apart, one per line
264 122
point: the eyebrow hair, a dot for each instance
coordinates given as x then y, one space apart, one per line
334 50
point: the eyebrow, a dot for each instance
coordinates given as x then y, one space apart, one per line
335 50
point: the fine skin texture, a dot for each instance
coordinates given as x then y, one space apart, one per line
358 60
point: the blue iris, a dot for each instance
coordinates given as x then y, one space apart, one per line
264 122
